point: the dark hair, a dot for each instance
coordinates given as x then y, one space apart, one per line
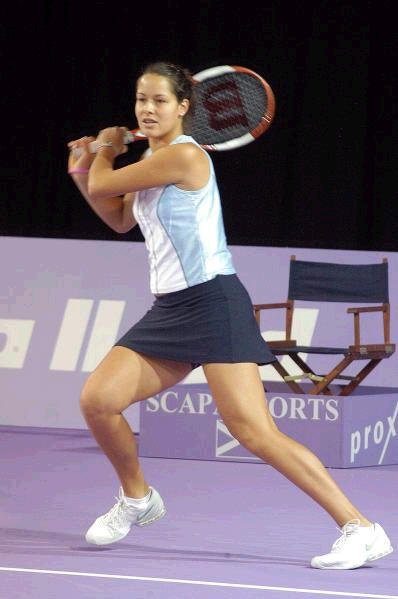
181 83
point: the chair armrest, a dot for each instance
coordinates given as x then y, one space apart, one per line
270 306
373 351
281 343
385 308
366 309
288 306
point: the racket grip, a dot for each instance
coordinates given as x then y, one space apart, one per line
129 137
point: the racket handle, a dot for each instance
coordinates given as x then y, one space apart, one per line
129 137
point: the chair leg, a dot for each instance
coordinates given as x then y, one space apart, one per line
305 368
282 372
331 376
347 389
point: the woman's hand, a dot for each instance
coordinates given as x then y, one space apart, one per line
85 157
115 135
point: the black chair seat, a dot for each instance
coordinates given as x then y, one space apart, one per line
309 350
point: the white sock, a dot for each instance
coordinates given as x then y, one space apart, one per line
139 504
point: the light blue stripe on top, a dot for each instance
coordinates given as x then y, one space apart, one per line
184 232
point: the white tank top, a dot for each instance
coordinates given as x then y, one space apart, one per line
184 233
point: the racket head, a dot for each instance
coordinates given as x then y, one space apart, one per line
233 107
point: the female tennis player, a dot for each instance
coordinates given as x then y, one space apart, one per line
201 315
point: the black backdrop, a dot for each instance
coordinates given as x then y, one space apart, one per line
325 173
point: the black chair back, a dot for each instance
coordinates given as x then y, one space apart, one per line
328 282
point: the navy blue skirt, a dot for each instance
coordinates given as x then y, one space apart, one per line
204 324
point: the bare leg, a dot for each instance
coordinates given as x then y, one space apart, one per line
239 395
124 377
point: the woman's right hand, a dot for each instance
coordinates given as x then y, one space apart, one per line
85 157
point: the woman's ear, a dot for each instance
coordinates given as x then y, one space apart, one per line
184 107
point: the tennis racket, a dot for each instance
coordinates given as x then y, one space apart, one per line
233 107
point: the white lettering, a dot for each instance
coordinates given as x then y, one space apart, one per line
355 445
17 334
332 412
104 332
391 426
378 432
187 405
152 404
163 401
297 405
294 408
315 401
283 406
391 432
374 434
71 334
205 399
73 331
367 433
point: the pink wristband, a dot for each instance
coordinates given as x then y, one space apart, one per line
82 171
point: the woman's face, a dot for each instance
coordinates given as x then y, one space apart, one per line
157 109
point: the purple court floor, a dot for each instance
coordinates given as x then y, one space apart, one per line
233 530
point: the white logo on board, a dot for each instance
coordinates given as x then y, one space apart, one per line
76 327
226 443
373 435
15 335
72 333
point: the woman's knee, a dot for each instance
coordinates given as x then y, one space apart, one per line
255 437
97 399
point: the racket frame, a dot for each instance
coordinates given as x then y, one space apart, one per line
266 119
246 138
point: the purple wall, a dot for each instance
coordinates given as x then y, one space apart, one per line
64 302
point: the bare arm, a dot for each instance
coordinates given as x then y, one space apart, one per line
115 211
184 165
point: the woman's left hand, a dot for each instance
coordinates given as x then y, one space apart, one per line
116 136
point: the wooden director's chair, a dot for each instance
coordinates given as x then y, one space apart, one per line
328 282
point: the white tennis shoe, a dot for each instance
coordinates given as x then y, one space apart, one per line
116 524
357 546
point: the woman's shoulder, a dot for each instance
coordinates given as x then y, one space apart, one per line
186 141
188 156
186 149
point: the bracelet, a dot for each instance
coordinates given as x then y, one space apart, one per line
81 171
105 144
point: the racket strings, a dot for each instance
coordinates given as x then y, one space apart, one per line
228 106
